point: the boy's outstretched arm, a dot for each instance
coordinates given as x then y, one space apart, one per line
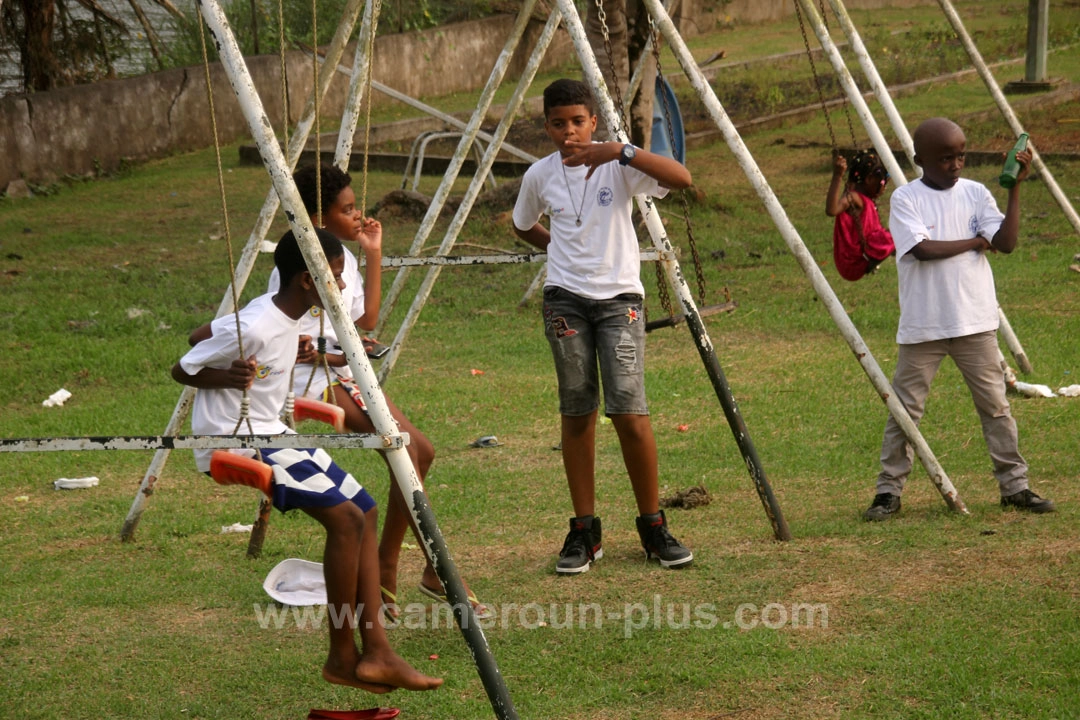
668 172
238 376
1006 236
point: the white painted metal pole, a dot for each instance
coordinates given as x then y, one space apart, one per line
851 89
1006 110
203 442
806 261
427 224
378 410
281 176
244 267
357 86
881 92
675 277
477 184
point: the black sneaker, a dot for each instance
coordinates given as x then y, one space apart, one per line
1027 500
581 547
659 544
884 505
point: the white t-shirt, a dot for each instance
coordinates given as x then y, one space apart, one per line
271 337
600 258
353 298
950 297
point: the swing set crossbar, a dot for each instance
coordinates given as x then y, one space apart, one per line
205 442
500 259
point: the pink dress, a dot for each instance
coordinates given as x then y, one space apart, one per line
860 243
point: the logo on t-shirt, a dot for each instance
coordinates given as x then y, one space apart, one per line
264 371
973 225
604 196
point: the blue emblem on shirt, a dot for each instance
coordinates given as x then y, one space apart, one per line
973 225
604 196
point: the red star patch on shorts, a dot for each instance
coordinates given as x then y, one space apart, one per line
631 316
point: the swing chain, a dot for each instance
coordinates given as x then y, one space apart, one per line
813 70
620 104
843 96
284 76
369 48
670 127
245 401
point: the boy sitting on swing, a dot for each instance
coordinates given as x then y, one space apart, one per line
268 331
860 243
331 204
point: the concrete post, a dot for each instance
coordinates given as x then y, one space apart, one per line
1035 79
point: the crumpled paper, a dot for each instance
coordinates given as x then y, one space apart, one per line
1033 390
57 398
236 528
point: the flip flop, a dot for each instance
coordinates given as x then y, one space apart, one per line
483 612
390 618
369 714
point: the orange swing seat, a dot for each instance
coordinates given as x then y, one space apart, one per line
228 468
308 409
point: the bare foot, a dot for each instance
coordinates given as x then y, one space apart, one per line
430 580
389 670
337 678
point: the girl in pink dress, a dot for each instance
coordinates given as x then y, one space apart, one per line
860 243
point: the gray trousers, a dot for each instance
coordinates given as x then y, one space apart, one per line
979 361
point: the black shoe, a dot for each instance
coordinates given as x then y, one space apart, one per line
884 505
659 544
581 547
1027 500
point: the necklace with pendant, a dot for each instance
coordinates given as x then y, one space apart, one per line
584 192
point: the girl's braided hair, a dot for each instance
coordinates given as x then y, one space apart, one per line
862 165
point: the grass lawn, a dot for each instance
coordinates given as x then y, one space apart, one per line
927 615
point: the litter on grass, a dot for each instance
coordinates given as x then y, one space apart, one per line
236 528
74 483
57 399
296 582
1032 390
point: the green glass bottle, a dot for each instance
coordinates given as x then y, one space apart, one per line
1012 166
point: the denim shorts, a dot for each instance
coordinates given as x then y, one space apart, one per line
594 340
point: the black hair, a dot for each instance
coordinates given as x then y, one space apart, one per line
863 165
332 181
289 261
568 92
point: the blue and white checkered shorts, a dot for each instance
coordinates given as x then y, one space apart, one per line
310 478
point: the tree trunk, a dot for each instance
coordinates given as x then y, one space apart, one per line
40 67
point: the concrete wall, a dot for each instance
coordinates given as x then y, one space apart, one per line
701 16
89 128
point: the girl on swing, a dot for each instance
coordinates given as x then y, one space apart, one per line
860 243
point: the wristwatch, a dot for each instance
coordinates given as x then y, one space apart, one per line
628 153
